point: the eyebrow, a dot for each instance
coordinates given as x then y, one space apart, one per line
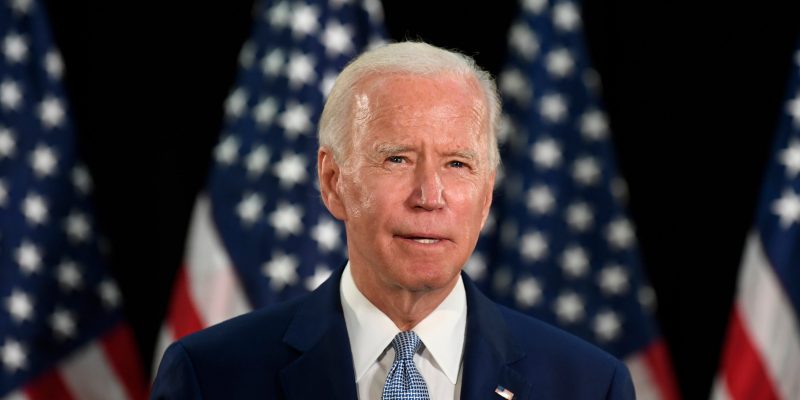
389 149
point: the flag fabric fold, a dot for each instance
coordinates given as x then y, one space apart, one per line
559 244
761 357
259 233
62 332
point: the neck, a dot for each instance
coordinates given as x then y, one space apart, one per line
405 307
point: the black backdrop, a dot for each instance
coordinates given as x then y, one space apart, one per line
693 93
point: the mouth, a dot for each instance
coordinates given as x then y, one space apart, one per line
422 238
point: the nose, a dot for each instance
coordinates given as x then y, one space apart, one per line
429 190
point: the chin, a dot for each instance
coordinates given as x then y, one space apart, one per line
429 277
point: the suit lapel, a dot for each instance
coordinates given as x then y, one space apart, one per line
489 351
318 331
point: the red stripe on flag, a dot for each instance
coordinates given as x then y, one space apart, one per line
745 375
48 386
120 349
660 366
183 316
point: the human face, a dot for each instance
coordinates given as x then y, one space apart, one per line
416 187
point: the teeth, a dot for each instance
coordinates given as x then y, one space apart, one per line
426 241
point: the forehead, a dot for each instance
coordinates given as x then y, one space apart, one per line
396 105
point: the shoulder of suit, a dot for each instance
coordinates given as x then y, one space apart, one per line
262 325
542 339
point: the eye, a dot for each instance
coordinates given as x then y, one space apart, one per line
457 164
396 159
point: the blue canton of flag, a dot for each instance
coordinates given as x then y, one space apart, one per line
61 329
762 350
559 244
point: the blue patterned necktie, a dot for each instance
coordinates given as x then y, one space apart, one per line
404 381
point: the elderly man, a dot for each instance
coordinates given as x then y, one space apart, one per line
407 159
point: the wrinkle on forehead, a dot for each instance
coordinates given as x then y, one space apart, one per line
388 101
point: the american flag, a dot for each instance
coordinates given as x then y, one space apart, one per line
62 334
259 233
761 358
559 245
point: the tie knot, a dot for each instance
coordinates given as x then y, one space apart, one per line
406 344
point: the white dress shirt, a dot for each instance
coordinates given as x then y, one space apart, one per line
371 332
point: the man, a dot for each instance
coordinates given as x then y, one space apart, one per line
407 159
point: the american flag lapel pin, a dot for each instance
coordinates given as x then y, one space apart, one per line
504 393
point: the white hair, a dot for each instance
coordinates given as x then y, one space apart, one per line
415 58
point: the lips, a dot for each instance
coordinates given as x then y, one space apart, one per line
422 238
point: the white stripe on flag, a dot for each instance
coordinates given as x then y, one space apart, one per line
770 319
89 376
646 387
213 283
720 390
165 338
16 396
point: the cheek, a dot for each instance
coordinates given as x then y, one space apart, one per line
359 196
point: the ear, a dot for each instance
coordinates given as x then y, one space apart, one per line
329 174
487 201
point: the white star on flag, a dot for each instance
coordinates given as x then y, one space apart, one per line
257 161
69 276
594 125
524 41
337 39
236 103
77 227
553 108
321 274
579 216
305 20
528 292
264 112
560 63
35 209
533 246
790 158
281 271
575 261
20 306
227 151
607 325
540 199
296 120
569 307
249 209
272 63
43 161
291 170
613 280
787 208
300 70
286 220
7 143
566 16
63 324
546 153
15 48
51 112
14 356
109 294
516 86
327 234
53 64
10 95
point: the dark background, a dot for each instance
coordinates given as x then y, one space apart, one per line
693 94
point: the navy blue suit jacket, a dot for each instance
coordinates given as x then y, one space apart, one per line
300 350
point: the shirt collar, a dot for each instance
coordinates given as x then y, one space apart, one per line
370 330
